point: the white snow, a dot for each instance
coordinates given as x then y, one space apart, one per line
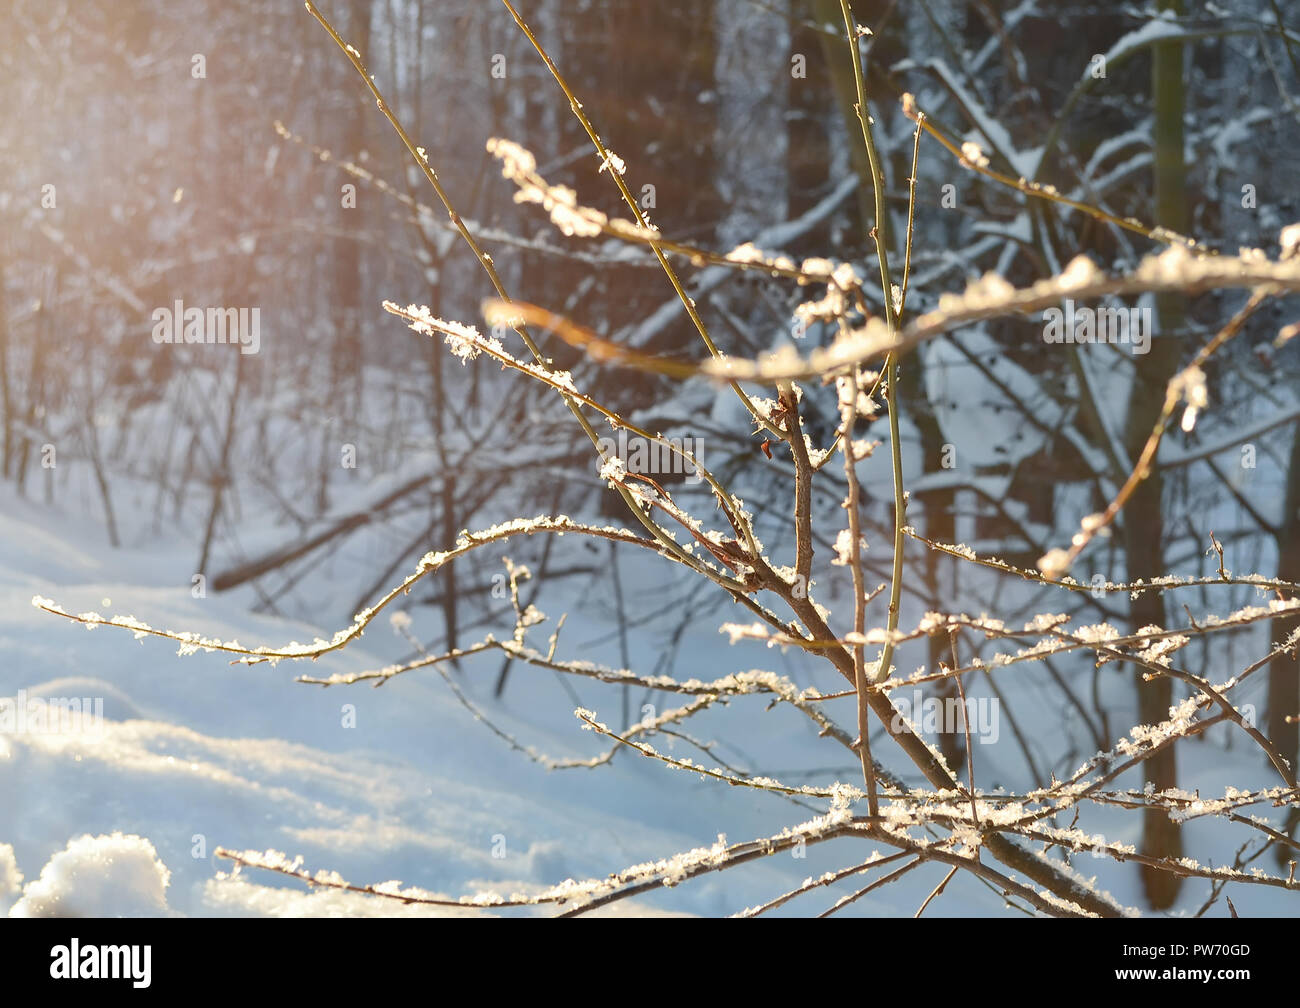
99 876
195 753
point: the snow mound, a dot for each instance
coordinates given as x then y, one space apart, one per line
11 879
102 876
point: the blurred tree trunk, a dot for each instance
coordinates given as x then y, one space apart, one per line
346 269
835 50
937 518
344 382
938 521
808 149
1144 531
646 76
1284 670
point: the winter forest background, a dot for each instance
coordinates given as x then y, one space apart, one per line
229 154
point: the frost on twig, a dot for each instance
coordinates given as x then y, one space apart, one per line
992 296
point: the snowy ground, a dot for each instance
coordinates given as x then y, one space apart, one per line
197 753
